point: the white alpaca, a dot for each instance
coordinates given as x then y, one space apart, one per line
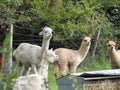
34 57
114 55
29 55
71 58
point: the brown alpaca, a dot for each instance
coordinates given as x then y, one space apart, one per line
114 55
2 37
2 59
71 58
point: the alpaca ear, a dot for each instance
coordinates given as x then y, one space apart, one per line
107 41
90 35
83 36
115 40
51 49
41 33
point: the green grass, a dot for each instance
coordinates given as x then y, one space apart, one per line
51 79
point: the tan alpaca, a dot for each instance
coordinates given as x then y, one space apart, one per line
114 55
71 58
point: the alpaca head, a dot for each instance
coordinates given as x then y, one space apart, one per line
50 56
111 45
86 41
47 33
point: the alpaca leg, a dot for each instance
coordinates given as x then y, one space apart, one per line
73 68
38 69
34 69
56 70
63 70
19 68
25 72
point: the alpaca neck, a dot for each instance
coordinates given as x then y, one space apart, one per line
44 69
45 45
114 55
83 50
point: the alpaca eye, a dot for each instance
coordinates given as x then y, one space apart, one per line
45 31
85 40
109 45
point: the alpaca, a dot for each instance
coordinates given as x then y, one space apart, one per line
29 55
1 57
2 60
114 55
71 58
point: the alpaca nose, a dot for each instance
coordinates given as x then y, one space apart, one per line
88 42
49 35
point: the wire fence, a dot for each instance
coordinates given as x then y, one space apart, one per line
33 39
37 39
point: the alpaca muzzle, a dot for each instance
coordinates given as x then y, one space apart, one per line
88 43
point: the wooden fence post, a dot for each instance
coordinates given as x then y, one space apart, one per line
8 61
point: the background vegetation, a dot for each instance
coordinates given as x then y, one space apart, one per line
70 20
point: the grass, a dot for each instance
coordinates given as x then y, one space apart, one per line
51 79
89 64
